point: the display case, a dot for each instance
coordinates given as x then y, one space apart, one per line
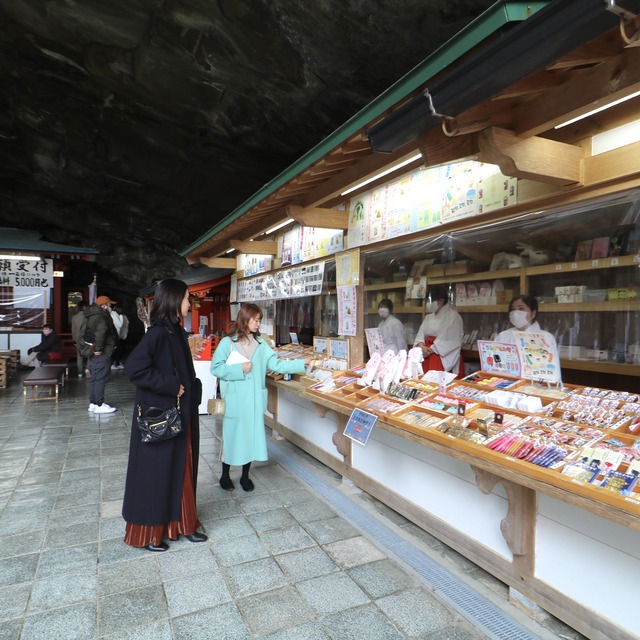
581 263
582 437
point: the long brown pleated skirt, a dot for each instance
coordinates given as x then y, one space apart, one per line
138 535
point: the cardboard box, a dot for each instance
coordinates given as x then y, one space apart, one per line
597 354
458 268
504 296
627 293
572 352
435 271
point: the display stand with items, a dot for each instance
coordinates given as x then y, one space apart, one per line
535 461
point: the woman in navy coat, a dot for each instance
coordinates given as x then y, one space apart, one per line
160 492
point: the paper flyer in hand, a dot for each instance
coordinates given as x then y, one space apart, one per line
235 357
359 426
499 358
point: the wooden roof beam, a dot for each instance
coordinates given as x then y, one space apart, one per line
257 247
218 263
537 83
589 54
533 158
586 90
318 217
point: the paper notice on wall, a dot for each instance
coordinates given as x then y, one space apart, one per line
347 310
348 268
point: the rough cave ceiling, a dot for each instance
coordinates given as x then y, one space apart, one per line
132 126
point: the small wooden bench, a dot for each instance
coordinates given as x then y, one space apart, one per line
50 378
57 362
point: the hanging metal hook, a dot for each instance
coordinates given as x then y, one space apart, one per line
444 118
626 17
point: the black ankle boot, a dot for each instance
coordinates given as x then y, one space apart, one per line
225 480
245 481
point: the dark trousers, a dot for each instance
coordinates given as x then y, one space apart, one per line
117 353
100 368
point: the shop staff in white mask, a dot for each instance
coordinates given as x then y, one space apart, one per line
522 315
391 329
440 334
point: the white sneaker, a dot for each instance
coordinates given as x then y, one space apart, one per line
92 407
80 375
104 408
113 367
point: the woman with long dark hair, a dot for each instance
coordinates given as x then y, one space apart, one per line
241 362
160 492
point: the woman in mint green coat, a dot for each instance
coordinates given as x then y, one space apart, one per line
241 361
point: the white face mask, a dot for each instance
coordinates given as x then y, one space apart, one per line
432 307
383 313
518 318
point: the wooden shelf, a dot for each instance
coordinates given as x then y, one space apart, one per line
556 267
558 307
607 305
482 308
583 265
386 286
398 310
474 277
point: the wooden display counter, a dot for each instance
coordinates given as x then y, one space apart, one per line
560 542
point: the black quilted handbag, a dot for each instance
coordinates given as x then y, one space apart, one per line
156 425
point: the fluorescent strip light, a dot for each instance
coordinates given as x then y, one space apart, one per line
7 256
279 226
590 113
384 173
229 251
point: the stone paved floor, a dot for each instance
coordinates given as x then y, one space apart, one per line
280 562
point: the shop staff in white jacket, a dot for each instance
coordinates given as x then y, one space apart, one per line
391 329
440 334
523 311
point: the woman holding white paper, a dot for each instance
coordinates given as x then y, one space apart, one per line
241 361
523 312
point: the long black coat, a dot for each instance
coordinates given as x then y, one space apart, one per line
155 472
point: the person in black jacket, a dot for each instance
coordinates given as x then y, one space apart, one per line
103 335
160 491
49 344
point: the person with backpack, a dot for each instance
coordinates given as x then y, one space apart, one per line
98 330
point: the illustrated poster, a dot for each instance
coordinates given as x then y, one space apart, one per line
539 359
347 310
499 358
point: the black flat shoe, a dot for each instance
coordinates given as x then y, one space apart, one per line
163 546
246 484
227 484
196 537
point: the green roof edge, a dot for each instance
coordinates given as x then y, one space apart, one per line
495 17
